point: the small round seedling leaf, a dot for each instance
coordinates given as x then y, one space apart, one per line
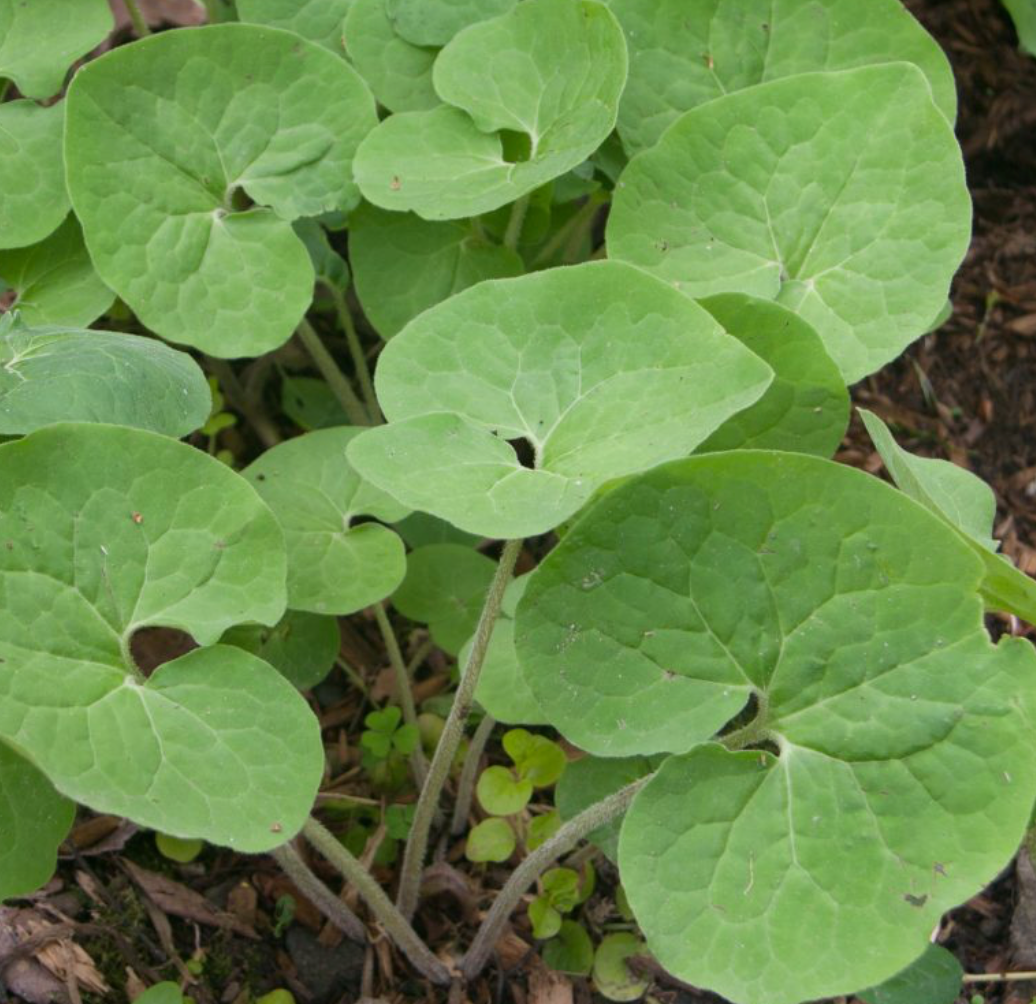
684 53
491 840
40 40
404 264
56 374
571 951
33 199
167 137
178 849
108 530
613 977
501 688
161 993
548 71
54 281
935 978
335 565
501 793
445 587
590 780
435 22
841 195
561 886
851 617
397 71
541 829
318 21
806 408
302 646
600 369
539 760
967 504
545 919
34 819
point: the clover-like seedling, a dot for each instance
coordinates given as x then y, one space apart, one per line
188 155
336 565
684 53
561 891
526 97
597 371
786 603
841 195
385 735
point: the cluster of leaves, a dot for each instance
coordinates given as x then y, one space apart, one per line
787 655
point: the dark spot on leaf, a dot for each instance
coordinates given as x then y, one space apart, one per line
917 901
395 184
276 828
137 518
262 477
939 868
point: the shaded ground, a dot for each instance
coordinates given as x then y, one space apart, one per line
966 393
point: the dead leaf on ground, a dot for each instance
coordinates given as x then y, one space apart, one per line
180 13
549 987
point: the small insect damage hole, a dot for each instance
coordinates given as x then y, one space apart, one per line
152 647
516 146
525 452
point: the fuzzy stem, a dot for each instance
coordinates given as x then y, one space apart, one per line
452 733
381 906
575 225
466 786
245 403
319 894
363 372
140 26
516 222
336 380
404 694
534 865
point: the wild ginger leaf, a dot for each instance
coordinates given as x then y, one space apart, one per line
840 195
935 978
57 374
40 40
397 71
965 502
301 646
318 21
33 200
54 281
108 530
216 117
404 264
806 408
34 819
848 619
335 565
601 370
684 53
435 22
549 71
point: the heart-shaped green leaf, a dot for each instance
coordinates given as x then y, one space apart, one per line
571 951
549 70
491 840
965 502
311 404
33 200
302 647
848 618
52 374
842 195
686 52
54 281
107 530
806 408
404 264
167 141
1023 13
435 22
40 40
398 72
935 978
335 566
600 368
319 21
536 758
613 977
34 819
501 793
445 588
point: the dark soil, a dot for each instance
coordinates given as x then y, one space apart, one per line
966 393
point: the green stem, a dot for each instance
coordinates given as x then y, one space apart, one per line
534 865
363 373
999 977
244 402
4 87
755 731
397 926
404 694
319 894
516 221
140 26
466 786
452 733
574 226
336 380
